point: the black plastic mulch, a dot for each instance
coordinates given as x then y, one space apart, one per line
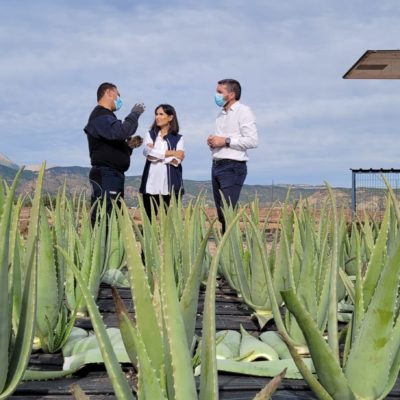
230 314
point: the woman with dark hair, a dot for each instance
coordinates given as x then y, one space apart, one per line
164 152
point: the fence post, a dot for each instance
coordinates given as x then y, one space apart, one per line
353 192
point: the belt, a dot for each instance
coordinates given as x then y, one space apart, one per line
223 161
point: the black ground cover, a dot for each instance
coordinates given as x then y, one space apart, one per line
230 314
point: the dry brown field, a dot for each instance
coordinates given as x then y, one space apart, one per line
265 212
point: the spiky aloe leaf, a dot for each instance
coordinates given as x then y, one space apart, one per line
209 376
15 233
306 373
373 342
190 295
5 326
65 235
126 327
117 378
304 277
98 255
149 386
2 199
114 253
184 384
270 388
78 393
20 352
393 197
395 365
149 380
327 367
259 294
146 317
188 230
48 295
359 311
333 299
377 260
149 242
59 221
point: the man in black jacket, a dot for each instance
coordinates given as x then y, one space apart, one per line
110 145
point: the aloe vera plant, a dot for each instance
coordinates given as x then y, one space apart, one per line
53 320
115 373
16 342
188 231
159 341
241 263
374 334
59 296
159 337
163 330
85 245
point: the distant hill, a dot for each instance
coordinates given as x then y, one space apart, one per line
76 180
6 162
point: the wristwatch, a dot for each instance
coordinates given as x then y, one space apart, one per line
227 142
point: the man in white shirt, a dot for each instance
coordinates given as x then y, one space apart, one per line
235 133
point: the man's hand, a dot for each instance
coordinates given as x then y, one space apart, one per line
138 108
216 141
135 141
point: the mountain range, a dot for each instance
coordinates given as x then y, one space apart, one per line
76 180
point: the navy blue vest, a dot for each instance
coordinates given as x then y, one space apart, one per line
175 181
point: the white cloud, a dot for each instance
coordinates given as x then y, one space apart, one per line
289 56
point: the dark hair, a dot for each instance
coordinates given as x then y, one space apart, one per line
233 86
102 89
169 110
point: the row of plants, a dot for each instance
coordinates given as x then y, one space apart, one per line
53 276
312 270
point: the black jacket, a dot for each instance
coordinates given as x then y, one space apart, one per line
107 138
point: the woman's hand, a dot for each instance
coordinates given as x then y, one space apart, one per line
175 153
180 154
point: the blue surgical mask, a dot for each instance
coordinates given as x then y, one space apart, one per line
219 100
118 103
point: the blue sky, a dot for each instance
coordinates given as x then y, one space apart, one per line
290 57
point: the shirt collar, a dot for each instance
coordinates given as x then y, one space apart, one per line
233 107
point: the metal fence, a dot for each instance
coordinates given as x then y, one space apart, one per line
369 189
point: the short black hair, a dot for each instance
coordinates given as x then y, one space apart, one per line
102 89
169 110
233 86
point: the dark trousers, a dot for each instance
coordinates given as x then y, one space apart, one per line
227 177
148 199
105 182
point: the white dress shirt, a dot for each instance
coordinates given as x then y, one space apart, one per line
157 180
237 123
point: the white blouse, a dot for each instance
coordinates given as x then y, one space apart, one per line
157 180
